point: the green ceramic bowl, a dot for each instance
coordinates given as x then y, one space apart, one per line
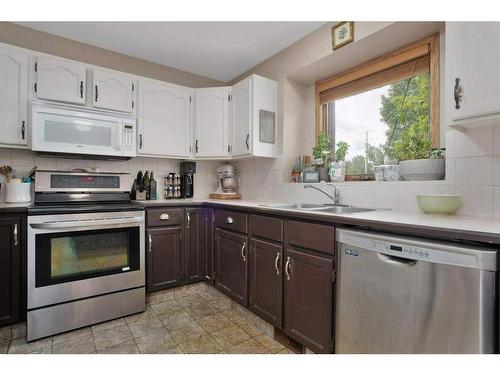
438 204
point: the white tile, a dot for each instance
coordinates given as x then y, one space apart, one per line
496 140
66 164
43 162
474 171
450 170
364 196
23 158
5 156
496 170
476 200
346 194
473 142
386 196
496 201
407 194
150 164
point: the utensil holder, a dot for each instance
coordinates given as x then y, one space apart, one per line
18 192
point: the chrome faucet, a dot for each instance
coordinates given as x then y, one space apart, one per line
335 197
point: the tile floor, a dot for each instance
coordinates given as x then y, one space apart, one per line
191 319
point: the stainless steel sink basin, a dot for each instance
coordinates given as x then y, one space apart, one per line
334 209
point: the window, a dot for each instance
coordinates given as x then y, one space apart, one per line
380 106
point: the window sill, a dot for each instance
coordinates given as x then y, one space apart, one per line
378 183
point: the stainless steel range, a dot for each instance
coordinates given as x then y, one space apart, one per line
85 251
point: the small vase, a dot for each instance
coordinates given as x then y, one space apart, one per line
336 171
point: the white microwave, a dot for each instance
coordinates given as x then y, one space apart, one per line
68 130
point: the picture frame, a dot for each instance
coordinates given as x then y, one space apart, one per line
342 34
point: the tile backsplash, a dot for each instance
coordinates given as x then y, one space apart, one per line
23 160
472 171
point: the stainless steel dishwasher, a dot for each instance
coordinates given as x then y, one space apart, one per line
407 295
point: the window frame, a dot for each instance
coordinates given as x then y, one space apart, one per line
367 70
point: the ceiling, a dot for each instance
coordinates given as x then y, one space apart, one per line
218 50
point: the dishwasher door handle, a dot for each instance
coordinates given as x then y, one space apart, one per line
396 259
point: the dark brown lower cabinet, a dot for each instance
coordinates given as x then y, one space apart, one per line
231 264
194 247
308 299
163 249
265 280
208 240
11 235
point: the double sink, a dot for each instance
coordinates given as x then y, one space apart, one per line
329 208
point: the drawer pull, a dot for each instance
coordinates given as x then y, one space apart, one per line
150 243
229 220
164 217
287 268
243 252
188 220
16 235
278 255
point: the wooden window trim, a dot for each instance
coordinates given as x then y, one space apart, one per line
368 75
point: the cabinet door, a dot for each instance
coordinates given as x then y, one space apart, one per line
164 120
309 300
10 270
194 249
13 97
208 238
212 122
231 265
472 58
60 80
241 103
112 91
163 258
265 278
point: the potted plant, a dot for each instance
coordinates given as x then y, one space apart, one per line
337 167
322 154
416 157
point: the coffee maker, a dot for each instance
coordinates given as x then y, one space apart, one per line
187 171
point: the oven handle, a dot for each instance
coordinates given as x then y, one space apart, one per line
83 224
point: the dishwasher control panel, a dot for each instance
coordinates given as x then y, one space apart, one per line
407 250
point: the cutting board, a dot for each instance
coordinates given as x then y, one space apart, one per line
224 196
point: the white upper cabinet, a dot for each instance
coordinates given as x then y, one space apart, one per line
472 73
14 67
164 120
254 103
60 80
113 91
211 119
241 103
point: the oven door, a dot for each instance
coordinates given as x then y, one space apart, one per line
78 256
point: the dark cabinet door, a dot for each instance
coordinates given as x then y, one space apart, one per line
265 278
10 269
308 293
163 258
194 246
208 239
231 265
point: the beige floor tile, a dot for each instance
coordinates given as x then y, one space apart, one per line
222 303
147 316
185 290
112 337
175 320
251 346
286 351
108 325
167 307
251 328
208 297
46 350
140 330
188 331
160 296
201 310
214 322
77 345
158 343
3 349
71 335
128 347
269 343
21 346
191 300
201 345
234 314
173 350
18 330
230 336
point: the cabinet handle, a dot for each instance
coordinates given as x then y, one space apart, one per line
164 217
81 89
140 141
246 141
243 252
23 129
196 146
16 235
287 268
150 243
229 220
458 93
188 220
278 255
96 93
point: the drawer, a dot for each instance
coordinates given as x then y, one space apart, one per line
231 220
266 227
312 236
159 217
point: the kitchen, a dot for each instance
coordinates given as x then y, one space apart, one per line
153 204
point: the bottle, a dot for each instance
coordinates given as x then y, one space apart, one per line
146 184
152 186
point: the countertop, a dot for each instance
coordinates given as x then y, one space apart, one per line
12 207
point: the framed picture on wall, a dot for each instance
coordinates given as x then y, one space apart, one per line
342 34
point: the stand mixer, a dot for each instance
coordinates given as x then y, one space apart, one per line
227 179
